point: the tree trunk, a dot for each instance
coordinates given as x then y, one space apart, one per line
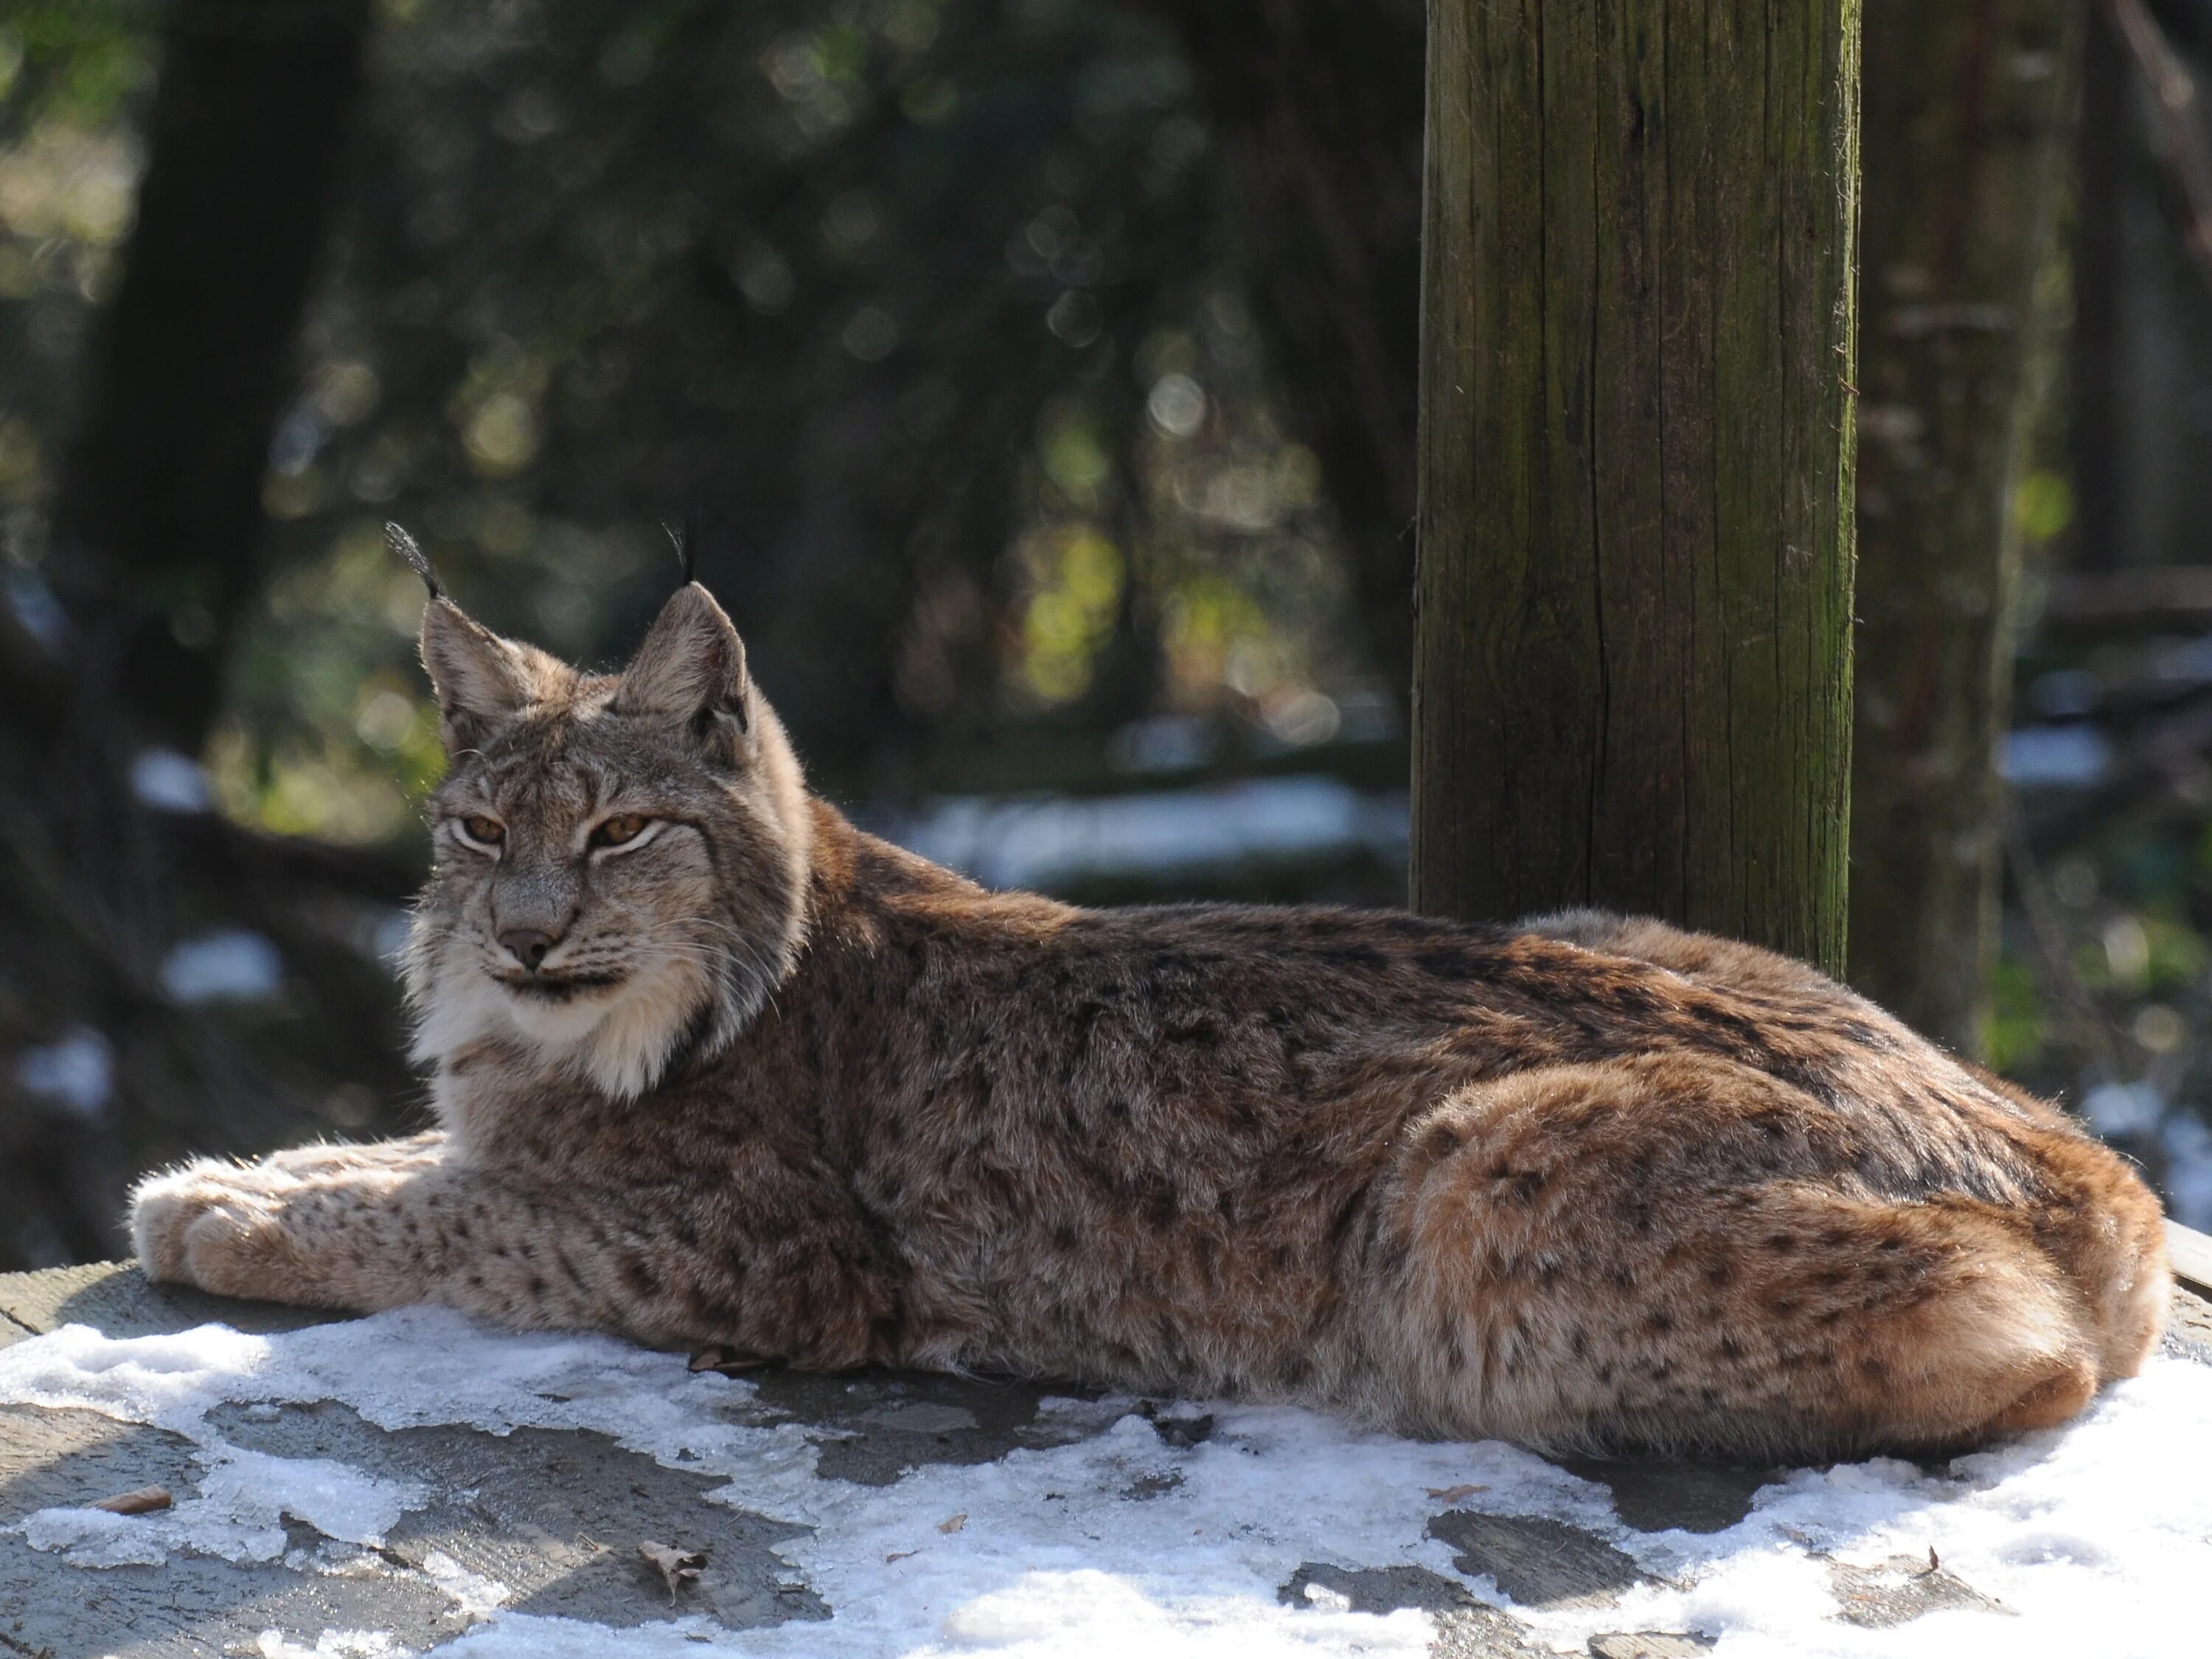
159 519
2141 349
1965 106
2102 152
1315 110
155 543
1632 654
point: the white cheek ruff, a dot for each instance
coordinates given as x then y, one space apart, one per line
455 1004
626 1053
620 1041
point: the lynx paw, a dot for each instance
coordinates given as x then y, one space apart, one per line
219 1226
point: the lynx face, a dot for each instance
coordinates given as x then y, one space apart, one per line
619 860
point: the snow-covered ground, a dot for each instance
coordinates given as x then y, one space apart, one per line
1049 840
1124 1538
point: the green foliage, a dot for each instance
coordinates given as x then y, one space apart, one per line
916 304
2013 1034
72 80
2043 504
2107 978
75 62
1079 577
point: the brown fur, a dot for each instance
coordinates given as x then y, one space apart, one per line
1595 1182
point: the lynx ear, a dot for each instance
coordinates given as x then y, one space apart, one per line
691 667
481 680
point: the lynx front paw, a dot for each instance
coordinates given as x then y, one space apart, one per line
219 1226
339 1159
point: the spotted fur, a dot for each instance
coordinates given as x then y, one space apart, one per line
1590 1183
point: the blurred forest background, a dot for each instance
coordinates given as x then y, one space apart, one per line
1039 378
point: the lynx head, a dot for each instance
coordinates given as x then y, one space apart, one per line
620 860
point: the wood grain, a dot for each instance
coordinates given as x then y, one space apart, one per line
1633 677
2191 1253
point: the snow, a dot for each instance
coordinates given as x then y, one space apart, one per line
2144 1108
78 1072
331 1645
169 781
1046 841
2095 1539
2125 1108
233 965
1164 742
38 613
2188 1143
2056 757
238 1514
473 1593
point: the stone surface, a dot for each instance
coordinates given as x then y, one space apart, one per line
2191 1253
2189 1331
1466 1629
554 1518
1898 1591
115 1297
1648 1644
1653 1495
1538 1562
880 1424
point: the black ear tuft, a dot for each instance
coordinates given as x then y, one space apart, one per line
686 539
404 545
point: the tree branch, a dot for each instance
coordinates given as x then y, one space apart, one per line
2177 137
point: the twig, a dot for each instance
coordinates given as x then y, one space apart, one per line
143 1501
2178 136
2166 597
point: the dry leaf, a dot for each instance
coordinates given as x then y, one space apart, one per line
1453 1494
899 1555
1934 1563
953 1522
729 1361
144 1501
675 1567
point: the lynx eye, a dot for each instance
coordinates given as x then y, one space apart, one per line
483 831
618 831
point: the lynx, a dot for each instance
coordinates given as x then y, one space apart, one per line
713 1067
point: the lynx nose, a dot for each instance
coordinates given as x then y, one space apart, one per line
527 945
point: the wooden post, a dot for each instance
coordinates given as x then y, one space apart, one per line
1632 648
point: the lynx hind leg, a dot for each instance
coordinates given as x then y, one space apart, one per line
2106 1231
2098 1221
1642 1255
1942 1324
